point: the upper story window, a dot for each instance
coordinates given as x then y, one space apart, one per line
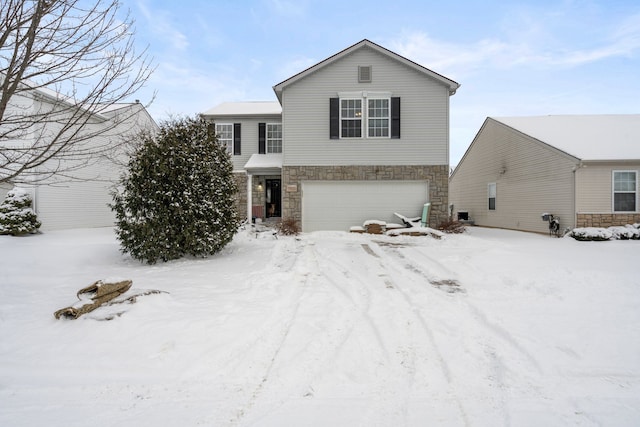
224 132
625 185
364 114
378 118
351 118
274 137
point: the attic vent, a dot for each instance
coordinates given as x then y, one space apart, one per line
364 74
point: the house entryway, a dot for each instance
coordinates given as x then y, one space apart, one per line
273 198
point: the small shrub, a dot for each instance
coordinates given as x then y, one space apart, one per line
451 226
16 216
624 233
288 227
591 234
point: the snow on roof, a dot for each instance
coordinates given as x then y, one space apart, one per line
256 108
586 137
264 161
116 106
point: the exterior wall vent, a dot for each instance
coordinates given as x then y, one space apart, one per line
364 74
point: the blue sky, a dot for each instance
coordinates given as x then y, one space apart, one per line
533 57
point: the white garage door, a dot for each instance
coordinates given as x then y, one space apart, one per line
339 205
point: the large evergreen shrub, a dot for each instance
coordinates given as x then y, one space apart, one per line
16 216
178 197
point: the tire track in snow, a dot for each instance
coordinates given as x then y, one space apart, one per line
300 280
282 260
388 361
296 379
426 329
478 315
482 332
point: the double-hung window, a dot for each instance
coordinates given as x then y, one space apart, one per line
224 132
376 116
274 137
351 118
365 115
378 113
625 190
491 193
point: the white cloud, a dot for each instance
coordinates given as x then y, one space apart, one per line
532 47
623 42
158 21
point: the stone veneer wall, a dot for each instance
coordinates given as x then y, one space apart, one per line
437 177
241 196
606 220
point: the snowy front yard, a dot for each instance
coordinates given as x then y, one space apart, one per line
490 328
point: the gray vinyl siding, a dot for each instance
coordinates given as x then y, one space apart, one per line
594 187
80 204
424 116
249 136
531 178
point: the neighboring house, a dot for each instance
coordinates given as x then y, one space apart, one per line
360 135
582 168
82 200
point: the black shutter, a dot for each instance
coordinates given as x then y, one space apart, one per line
334 118
262 138
395 117
236 139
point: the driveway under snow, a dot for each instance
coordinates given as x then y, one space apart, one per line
489 328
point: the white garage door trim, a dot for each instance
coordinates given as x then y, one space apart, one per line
338 205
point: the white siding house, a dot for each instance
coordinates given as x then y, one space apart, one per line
82 199
582 168
365 133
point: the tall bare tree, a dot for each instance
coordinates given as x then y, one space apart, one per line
65 65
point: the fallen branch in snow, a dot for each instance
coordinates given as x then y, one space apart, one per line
99 294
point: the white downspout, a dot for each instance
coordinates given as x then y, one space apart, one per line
249 197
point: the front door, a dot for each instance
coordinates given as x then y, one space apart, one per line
273 197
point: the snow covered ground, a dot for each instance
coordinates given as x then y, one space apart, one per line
489 328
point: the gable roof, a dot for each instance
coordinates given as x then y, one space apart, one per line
256 108
586 137
453 86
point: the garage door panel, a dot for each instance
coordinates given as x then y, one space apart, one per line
338 205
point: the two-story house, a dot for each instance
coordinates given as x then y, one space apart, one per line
360 135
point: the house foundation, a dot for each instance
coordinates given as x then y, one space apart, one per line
606 220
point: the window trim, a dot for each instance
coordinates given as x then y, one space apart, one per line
268 148
335 114
614 192
491 185
229 146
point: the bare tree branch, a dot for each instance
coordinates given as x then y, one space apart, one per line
65 66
